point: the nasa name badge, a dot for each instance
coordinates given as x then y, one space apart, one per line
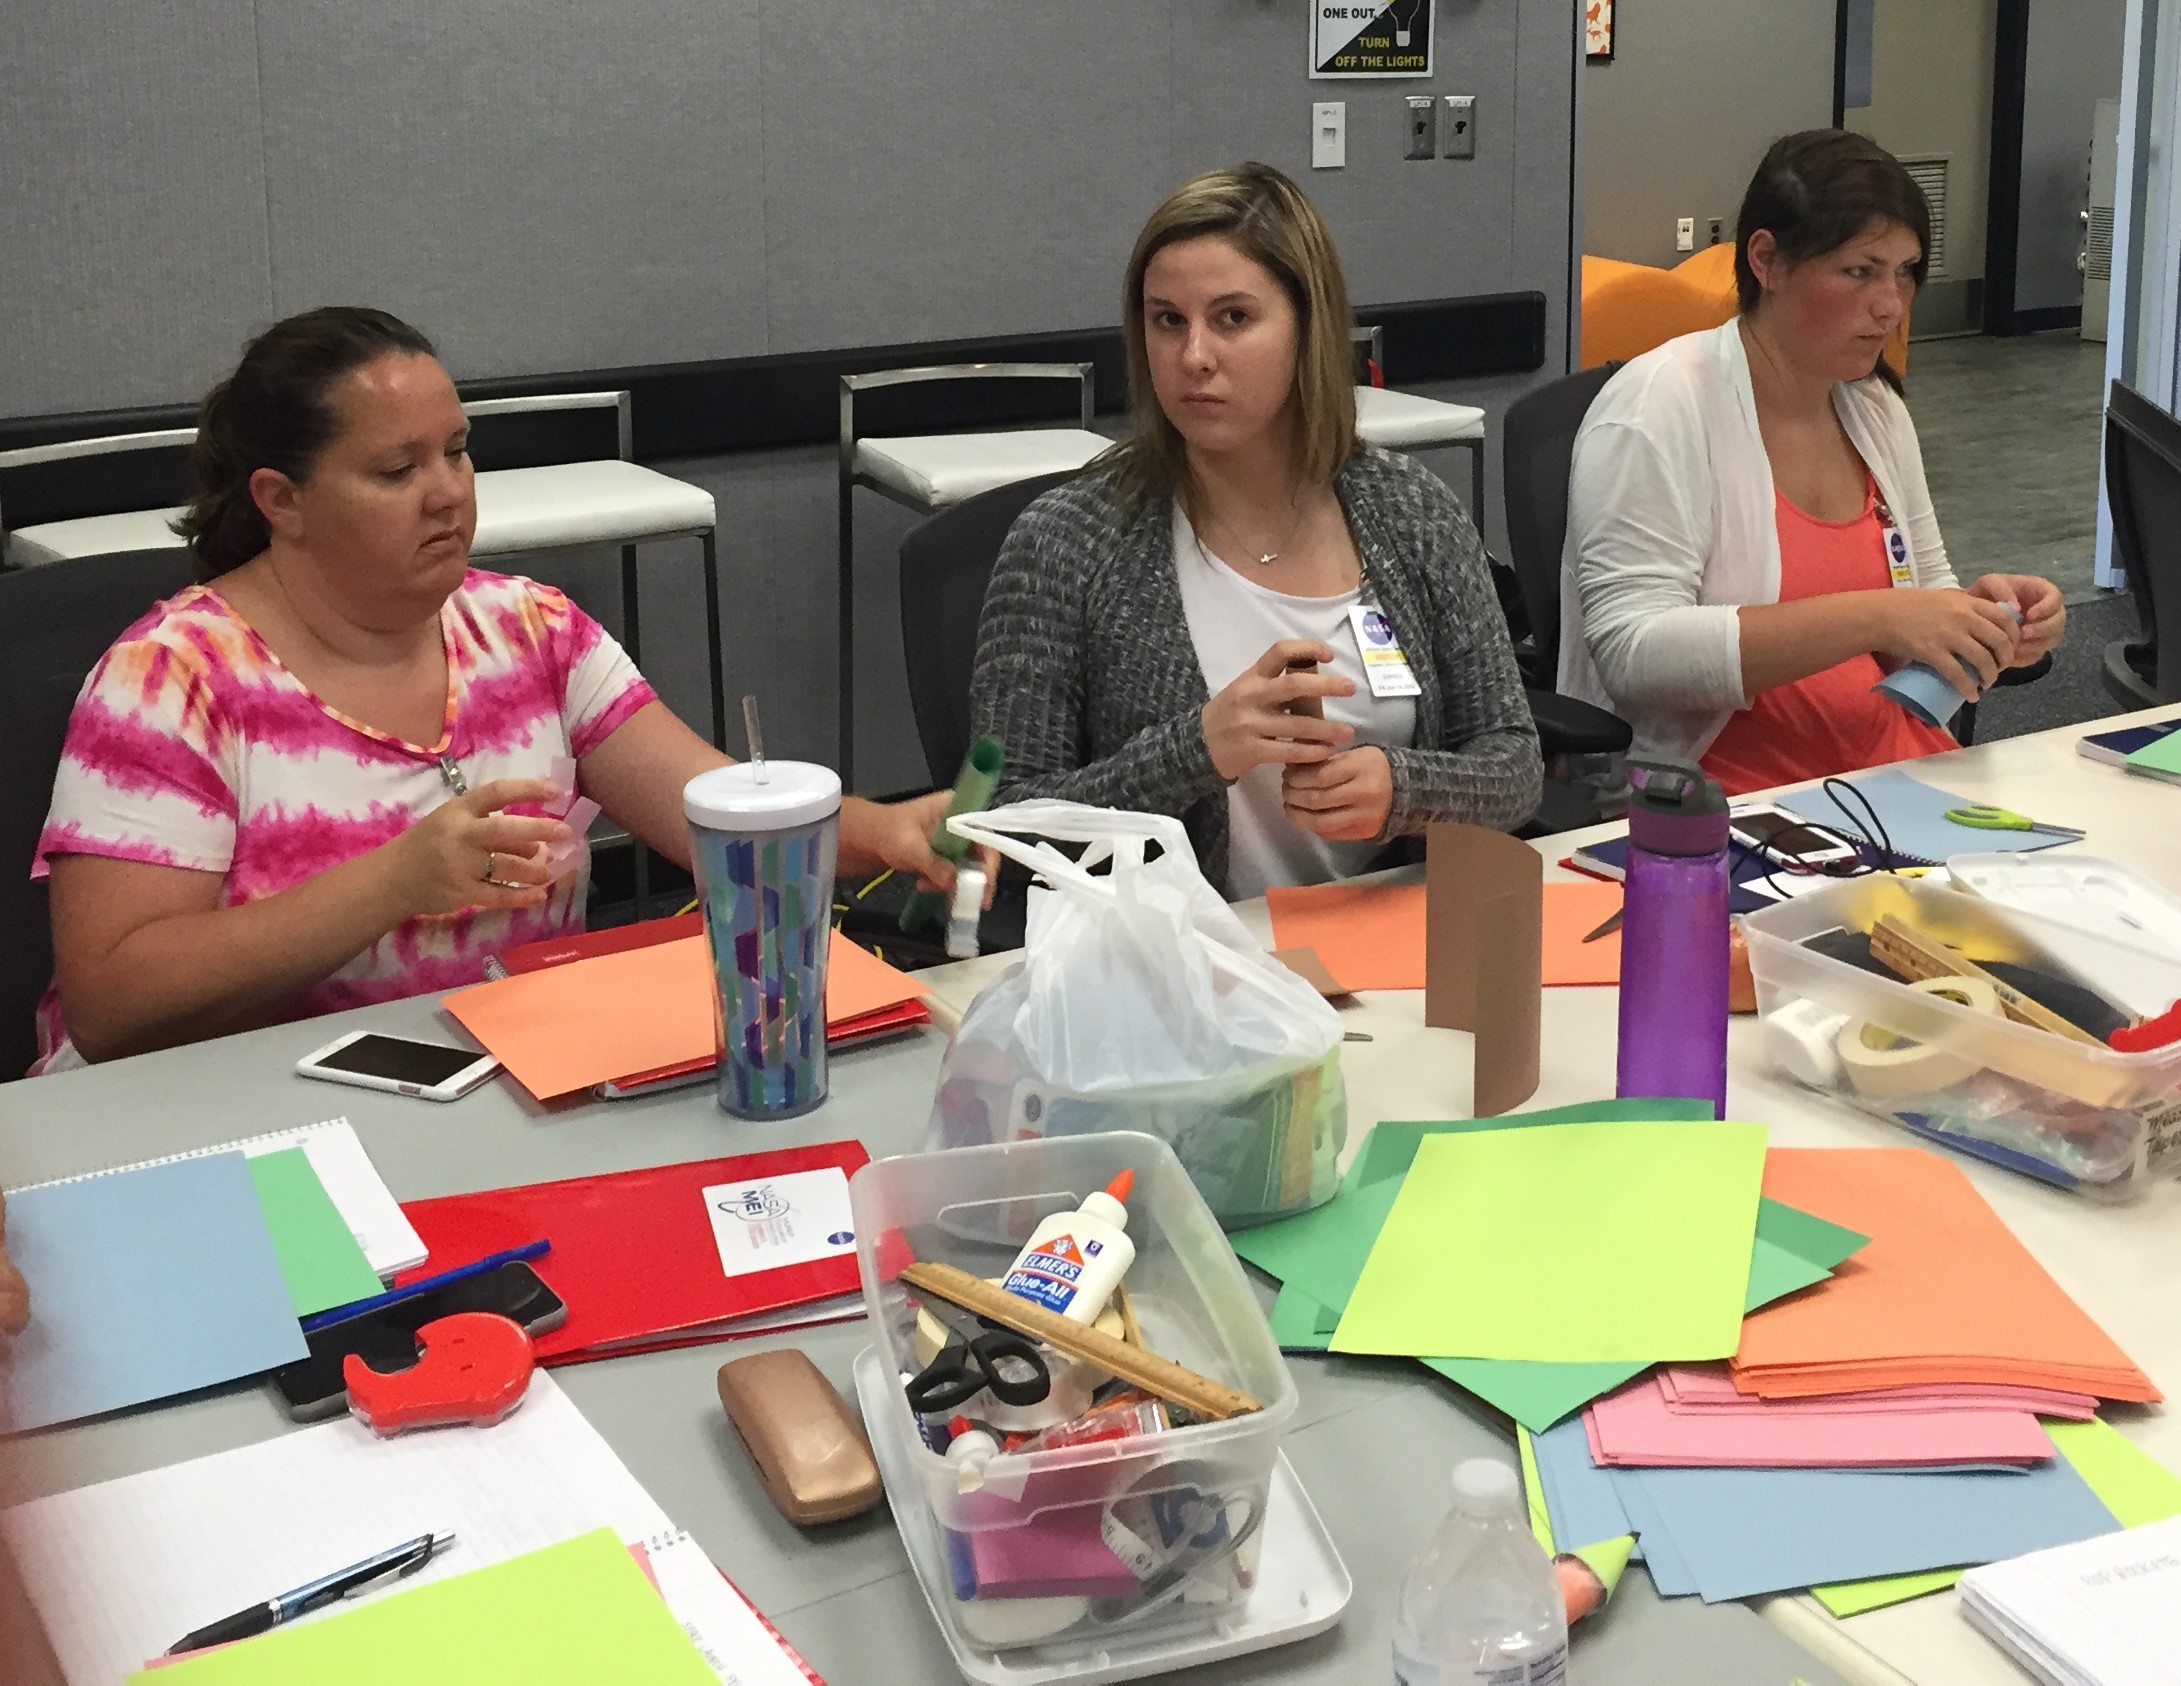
1385 668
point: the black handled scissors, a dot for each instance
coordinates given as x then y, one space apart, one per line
1010 1365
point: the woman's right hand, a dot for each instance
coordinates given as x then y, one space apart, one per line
1248 724
439 863
1966 639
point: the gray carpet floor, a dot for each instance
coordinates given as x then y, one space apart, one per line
2010 431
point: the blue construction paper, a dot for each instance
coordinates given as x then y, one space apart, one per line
1669 1570
1582 1500
144 1283
1742 1532
1914 815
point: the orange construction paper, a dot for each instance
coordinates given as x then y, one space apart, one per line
568 1027
1370 936
1943 1293
1572 912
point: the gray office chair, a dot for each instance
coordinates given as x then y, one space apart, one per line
2143 488
55 623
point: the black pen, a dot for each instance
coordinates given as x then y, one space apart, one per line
404 1559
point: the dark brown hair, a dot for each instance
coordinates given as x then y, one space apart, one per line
1819 189
1271 220
275 411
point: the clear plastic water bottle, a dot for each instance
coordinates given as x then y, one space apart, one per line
1481 1605
1674 939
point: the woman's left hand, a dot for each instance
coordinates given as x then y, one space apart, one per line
2037 601
1345 799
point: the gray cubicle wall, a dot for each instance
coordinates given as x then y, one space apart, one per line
554 186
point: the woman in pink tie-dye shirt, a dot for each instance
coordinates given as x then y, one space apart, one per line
316 779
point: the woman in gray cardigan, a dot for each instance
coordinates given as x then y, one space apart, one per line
1240 615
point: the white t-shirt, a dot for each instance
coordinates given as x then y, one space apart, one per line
1232 622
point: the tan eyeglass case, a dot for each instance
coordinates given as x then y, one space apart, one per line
809 1449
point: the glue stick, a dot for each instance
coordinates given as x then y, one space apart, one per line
1076 1259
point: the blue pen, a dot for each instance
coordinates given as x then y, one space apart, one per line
393 1563
424 1285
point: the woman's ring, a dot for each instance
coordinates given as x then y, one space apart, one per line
486 875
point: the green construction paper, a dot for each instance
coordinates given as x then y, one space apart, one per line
1601 1244
1321 1252
320 1260
2162 754
2127 1480
570 1615
1807 1236
1391 1146
1300 1323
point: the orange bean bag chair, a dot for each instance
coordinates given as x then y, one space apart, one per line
1628 308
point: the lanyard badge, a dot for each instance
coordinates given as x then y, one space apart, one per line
1896 544
1385 668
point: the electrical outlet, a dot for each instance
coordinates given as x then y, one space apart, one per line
1718 230
1329 135
1423 127
1684 234
1461 125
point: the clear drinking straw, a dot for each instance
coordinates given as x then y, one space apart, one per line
757 738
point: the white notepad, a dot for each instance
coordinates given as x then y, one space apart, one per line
2105 1612
353 1183
121 1570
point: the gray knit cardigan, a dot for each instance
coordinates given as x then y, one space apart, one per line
1087 674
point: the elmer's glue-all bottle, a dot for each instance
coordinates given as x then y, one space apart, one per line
1075 1259
1481 1605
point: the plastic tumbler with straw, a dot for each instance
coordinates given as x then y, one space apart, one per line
763 839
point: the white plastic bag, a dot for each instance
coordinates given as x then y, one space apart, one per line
1142 1003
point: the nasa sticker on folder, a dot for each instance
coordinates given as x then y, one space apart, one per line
769 1222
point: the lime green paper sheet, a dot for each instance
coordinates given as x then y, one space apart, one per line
1599 1243
2128 1481
571 1615
1390 1148
320 1260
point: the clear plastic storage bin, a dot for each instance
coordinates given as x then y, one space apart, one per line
1186 1507
2080 1116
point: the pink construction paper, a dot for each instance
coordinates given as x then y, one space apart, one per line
1701 1390
1634 1428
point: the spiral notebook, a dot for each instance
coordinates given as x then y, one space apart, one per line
353 1183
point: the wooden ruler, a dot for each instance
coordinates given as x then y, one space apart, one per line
1155 1375
1916 957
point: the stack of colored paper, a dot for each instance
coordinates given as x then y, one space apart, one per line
1323 1257
646 1012
1944 1293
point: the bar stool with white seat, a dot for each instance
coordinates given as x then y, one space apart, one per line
1408 421
933 471
602 500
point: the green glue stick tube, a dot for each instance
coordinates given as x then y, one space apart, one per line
973 788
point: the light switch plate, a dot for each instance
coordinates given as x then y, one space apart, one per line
1423 127
1329 135
1461 125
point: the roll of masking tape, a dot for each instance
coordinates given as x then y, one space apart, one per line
1885 1066
1801 1040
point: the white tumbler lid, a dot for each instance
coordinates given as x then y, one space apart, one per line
794 793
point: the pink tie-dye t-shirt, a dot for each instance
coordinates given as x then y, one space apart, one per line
193 746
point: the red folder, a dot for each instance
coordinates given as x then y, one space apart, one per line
635 1258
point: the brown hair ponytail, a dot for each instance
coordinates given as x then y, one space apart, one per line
275 411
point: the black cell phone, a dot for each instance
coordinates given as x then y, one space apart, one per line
386 1339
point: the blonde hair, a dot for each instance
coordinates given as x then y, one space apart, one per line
1267 218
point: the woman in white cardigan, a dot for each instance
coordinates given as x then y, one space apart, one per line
1751 545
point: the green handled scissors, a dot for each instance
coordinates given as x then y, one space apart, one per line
1982 817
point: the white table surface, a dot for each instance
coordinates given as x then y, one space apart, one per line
1372 1438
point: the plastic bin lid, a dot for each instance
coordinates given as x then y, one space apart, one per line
2097 897
789 794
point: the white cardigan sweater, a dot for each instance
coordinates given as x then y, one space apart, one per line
1672 526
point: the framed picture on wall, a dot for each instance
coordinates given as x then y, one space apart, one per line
1598 30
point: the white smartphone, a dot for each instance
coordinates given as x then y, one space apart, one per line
435 1071
1788 838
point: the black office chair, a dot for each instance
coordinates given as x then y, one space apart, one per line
1537 450
2143 489
946 562
55 623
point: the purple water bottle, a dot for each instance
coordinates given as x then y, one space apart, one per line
1674 936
